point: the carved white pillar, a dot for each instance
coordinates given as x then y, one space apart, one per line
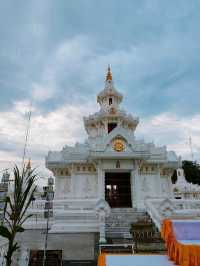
73 183
56 185
159 184
101 182
24 257
137 185
102 211
133 190
102 233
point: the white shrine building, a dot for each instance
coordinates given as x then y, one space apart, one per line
112 164
109 180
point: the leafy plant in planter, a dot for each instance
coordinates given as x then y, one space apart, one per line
16 207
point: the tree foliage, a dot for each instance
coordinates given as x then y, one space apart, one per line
16 207
192 172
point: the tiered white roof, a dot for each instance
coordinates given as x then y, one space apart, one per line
100 139
109 91
109 99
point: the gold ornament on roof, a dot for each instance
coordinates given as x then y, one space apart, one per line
109 74
118 145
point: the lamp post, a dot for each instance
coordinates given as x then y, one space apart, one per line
48 213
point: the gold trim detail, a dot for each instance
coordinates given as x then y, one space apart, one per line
118 145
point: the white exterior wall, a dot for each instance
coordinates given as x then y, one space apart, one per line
166 186
86 186
76 186
92 185
63 187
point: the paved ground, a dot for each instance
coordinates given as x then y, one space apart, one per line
138 260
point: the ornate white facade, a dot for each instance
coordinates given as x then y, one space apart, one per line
111 147
110 176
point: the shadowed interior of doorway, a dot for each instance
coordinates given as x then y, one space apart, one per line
118 189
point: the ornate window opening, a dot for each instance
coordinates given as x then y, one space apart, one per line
111 126
110 101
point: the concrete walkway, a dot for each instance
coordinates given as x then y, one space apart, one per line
138 260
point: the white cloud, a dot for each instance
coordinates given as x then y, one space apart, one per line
173 131
64 125
49 131
68 58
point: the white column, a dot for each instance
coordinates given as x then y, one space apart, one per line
73 183
159 185
137 185
133 190
102 233
101 181
24 256
57 187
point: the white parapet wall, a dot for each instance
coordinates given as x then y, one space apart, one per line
160 209
69 216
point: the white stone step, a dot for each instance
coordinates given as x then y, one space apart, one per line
119 222
74 228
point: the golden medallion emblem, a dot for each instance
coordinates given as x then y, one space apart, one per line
118 145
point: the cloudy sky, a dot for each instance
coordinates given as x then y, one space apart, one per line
55 55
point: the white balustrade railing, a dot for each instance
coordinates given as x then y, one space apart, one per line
59 208
187 195
76 204
160 209
77 214
152 210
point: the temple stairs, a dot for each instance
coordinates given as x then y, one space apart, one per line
118 224
126 225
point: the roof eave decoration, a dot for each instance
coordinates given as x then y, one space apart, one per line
109 92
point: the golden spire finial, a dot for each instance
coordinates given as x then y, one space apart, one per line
109 74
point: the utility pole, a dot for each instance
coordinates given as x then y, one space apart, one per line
191 148
27 133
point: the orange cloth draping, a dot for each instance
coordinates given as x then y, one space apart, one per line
102 259
181 254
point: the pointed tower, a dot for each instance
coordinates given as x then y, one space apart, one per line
109 97
110 115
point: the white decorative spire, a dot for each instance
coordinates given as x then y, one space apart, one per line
109 96
110 114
